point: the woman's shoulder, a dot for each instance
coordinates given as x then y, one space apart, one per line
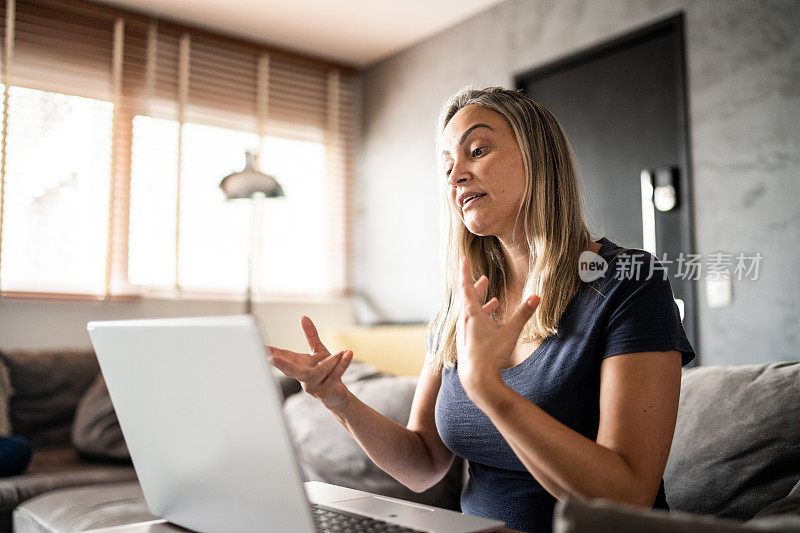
639 312
608 277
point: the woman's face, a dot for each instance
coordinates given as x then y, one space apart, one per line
483 165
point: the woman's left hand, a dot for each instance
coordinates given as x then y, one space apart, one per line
484 346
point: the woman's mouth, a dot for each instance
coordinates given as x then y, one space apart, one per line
471 200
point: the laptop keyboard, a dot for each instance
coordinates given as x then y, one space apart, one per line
327 520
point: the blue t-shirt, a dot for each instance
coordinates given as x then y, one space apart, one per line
606 317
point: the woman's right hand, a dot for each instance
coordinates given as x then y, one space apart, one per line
319 372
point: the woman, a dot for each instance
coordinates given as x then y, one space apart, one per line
572 391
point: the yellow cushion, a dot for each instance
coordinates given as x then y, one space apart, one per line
398 350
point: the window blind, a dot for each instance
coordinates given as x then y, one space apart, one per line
223 82
62 51
172 110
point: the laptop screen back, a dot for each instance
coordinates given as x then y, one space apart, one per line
201 415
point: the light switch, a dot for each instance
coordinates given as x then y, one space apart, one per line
719 292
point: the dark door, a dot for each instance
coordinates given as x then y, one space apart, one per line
622 105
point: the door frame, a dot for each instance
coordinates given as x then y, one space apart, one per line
674 26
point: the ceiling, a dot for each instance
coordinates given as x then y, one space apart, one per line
354 32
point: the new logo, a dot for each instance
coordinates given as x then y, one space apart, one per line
591 266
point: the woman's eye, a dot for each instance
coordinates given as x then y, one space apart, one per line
477 152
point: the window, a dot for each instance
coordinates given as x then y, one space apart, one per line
293 223
120 129
153 196
214 239
58 157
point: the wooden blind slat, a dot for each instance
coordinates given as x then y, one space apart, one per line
62 52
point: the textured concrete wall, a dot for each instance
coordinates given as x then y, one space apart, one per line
743 69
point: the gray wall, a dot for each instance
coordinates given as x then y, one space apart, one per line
743 68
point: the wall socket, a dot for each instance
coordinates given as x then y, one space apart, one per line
719 292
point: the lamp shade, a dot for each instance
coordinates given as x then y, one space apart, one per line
249 181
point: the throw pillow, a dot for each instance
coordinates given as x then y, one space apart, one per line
47 387
328 453
95 430
737 440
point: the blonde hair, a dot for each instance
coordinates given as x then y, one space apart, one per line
551 214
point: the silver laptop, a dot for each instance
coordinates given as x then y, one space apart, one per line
201 413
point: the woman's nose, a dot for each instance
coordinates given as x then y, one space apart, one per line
459 174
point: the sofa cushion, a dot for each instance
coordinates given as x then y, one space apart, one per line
83 509
328 453
47 387
574 515
737 439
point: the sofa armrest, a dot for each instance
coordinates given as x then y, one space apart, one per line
16 489
573 515
83 508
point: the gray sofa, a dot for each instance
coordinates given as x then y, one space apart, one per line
734 463
80 477
736 452
39 393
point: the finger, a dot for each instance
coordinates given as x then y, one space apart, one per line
481 285
301 362
471 303
283 353
340 367
288 367
522 314
323 368
491 306
465 276
315 347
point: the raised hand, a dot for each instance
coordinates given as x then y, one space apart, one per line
319 372
483 345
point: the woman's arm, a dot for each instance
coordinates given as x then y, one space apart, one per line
638 407
414 455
